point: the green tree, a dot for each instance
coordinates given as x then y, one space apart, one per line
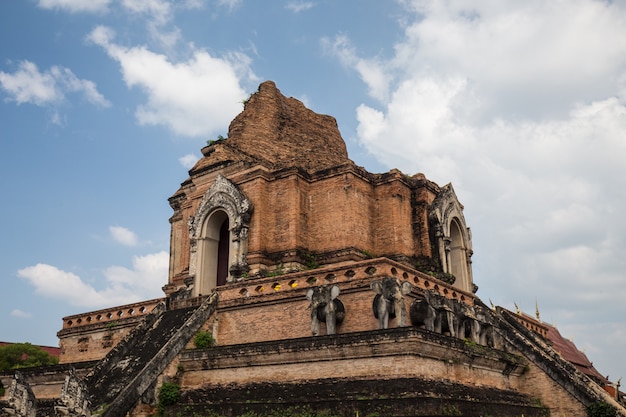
24 355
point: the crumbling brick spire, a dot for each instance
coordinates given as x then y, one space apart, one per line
284 132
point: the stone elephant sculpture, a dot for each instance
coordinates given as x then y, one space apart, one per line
444 317
467 326
389 301
325 308
423 314
487 334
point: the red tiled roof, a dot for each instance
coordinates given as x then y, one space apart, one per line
564 347
568 350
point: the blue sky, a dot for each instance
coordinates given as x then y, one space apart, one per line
104 104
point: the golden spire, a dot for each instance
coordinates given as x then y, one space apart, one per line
537 310
517 310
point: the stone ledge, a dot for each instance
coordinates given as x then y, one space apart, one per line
350 397
100 318
291 284
406 341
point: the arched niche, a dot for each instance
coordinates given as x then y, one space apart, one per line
452 237
219 236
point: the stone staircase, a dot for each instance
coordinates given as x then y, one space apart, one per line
123 376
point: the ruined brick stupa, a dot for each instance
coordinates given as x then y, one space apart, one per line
320 288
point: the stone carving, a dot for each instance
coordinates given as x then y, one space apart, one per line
21 399
389 300
467 326
453 237
423 314
325 308
226 196
487 334
444 318
74 400
442 315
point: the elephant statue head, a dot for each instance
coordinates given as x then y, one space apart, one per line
467 326
325 308
389 300
487 334
422 314
444 312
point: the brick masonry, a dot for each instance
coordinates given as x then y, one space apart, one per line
318 219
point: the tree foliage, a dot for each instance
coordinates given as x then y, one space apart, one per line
24 355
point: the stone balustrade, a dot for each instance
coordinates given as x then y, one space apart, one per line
352 274
110 315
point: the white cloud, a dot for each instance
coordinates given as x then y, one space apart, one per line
545 54
76 6
299 6
188 161
69 82
229 4
158 14
371 70
52 282
522 107
193 98
20 314
122 285
148 275
123 235
29 85
159 10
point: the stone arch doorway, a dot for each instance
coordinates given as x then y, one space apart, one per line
219 237
452 238
215 252
458 256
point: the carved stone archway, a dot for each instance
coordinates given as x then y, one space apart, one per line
452 237
223 202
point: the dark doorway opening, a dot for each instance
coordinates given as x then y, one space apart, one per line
222 253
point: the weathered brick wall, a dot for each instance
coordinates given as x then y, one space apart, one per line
91 335
283 132
92 345
395 356
391 222
276 308
423 197
308 197
338 211
46 382
539 385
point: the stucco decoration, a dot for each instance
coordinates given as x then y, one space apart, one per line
20 398
452 236
74 401
226 196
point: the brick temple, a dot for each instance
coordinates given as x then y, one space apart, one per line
325 287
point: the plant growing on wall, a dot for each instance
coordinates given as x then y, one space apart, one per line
310 260
169 394
204 340
601 409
